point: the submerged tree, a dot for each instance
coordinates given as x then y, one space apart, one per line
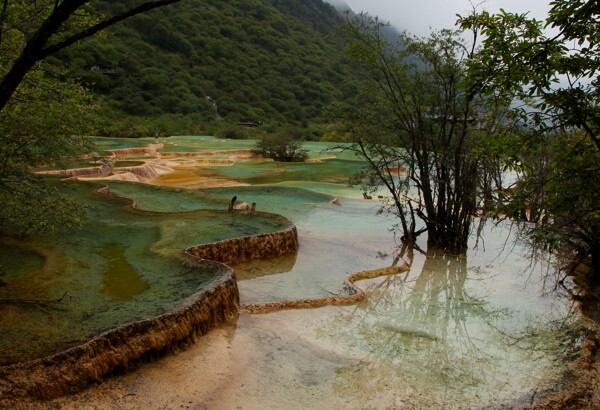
552 83
42 118
421 131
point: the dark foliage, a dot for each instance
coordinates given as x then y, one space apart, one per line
259 60
281 148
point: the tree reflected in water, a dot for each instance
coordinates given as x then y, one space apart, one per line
436 335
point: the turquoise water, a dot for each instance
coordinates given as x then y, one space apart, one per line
127 163
193 144
476 328
162 199
123 265
195 137
118 143
470 330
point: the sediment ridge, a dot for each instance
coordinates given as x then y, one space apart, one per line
248 248
215 161
74 172
149 150
121 348
245 152
355 296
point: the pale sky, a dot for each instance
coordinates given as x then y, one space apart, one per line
417 16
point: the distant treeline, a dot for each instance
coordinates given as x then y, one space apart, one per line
174 70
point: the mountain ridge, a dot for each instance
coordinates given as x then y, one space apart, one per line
272 61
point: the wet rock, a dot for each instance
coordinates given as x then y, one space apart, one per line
242 206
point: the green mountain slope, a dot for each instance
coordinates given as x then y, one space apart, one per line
260 60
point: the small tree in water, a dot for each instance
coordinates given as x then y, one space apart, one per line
280 148
421 132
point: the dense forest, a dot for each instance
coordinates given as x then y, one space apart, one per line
269 61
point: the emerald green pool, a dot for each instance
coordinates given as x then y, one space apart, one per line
471 330
117 164
123 265
203 144
118 143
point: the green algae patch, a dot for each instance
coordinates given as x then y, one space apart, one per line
165 199
119 143
122 266
120 279
119 164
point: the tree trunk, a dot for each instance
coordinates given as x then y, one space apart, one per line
440 235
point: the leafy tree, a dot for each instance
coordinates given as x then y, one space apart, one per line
45 129
552 77
41 117
420 130
280 147
56 25
552 84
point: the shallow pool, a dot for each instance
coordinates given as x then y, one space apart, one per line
471 330
123 265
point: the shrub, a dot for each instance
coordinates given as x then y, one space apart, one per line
281 148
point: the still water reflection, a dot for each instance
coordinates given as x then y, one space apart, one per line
457 330
473 328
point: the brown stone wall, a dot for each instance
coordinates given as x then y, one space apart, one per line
248 248
74 171
124 152
120 348
215 161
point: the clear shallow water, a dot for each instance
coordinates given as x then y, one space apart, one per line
453 330
124 265
468 331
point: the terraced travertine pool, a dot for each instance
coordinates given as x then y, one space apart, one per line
471 330
124 265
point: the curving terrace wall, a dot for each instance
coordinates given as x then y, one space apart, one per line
144 172
122 347
148 151
125 346
215 161
248 248
356 294
77 171
206 153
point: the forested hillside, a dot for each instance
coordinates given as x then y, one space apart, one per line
258 60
